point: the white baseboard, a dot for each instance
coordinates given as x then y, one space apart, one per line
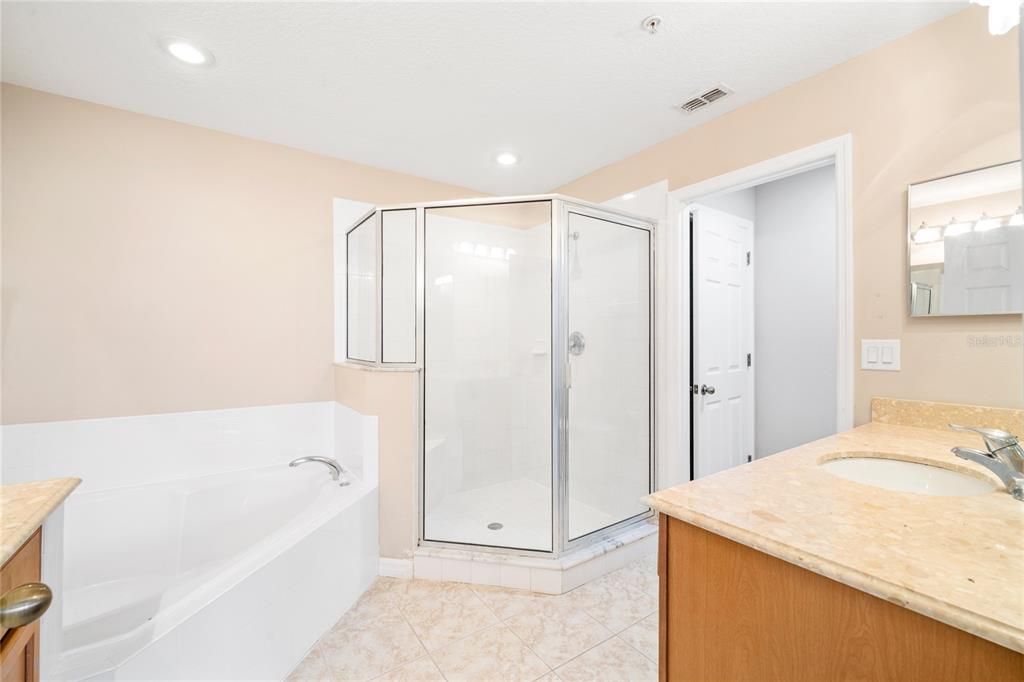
395 568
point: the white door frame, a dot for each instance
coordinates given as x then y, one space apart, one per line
837 151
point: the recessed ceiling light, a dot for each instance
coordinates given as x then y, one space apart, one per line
507 159
629 195
187 52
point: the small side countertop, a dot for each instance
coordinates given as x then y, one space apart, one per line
958 560
24 507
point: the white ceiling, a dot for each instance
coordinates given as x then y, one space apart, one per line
437 90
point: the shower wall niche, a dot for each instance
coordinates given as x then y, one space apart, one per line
531 321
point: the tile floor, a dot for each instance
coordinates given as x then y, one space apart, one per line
604 631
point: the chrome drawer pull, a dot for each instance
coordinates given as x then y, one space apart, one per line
24 605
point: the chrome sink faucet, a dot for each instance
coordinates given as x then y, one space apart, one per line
336 469
1004 457
1000 444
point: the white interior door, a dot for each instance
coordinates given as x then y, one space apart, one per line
723 336
981 274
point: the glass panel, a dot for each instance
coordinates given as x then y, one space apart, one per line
487 375
608 462
361 256
398 285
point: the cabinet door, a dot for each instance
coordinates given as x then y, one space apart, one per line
19 654
19 648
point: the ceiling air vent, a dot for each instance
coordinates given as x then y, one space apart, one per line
701 100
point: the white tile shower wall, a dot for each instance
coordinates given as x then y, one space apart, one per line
534 330
490 355
122 451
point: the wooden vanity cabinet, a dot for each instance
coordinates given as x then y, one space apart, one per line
729 612
19 648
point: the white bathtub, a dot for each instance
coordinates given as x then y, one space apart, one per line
227 576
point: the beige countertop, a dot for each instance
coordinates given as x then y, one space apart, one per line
959 560
24 507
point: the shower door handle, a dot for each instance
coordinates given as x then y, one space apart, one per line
577 343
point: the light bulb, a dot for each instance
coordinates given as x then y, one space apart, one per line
985 223
1017 218
954 228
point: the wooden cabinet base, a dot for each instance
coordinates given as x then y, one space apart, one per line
19 655
19 648
729 612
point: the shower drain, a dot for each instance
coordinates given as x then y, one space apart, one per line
495 526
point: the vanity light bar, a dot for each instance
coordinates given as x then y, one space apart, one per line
933 233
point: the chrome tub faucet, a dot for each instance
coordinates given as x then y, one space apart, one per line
1003 456
336 469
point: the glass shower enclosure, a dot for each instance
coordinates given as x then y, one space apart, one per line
531 322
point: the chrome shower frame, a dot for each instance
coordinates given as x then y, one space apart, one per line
561 208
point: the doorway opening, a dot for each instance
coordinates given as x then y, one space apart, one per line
770 338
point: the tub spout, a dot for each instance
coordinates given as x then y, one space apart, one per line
336 469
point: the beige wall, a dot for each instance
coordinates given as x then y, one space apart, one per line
393 397
939 101
151 266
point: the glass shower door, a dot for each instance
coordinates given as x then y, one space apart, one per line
608 431
487 447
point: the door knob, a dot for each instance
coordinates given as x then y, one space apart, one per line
707 390
24 605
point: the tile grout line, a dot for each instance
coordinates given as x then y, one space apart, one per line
633 647
581 610
504 623
473 589
590 648
614 634
529 648
405 619
604 641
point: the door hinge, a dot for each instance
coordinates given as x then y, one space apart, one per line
748 258
748 359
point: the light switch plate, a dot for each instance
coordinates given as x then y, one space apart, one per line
880 354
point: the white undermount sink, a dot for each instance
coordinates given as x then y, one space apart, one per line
906 477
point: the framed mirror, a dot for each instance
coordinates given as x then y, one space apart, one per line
965 243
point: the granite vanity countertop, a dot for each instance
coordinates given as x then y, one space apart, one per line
24 507
959 560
